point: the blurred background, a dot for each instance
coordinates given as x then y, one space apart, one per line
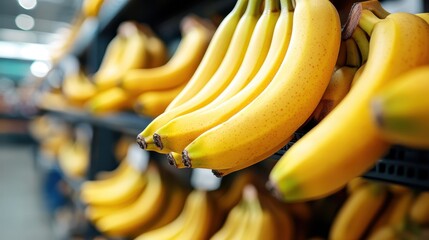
35 199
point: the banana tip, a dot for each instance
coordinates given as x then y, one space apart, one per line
141 142
273 189
377 111
217 173
186 160
158 141
171 160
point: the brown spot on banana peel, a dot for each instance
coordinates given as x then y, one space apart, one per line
158 141
141 142
186 160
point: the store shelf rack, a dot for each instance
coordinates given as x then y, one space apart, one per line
401 165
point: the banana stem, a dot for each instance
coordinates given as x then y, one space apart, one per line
362 42
293 3
375 7
367 21
287 5
353 57
271 6
253 8
240 7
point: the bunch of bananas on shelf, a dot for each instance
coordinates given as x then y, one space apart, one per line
130 200
378 211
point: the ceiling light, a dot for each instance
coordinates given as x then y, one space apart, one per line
39 68
24 21
27 4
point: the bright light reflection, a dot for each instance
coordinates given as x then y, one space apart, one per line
27 4
24 21
39 68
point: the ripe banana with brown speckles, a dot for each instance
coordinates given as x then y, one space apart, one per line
179 132
260 129
218 82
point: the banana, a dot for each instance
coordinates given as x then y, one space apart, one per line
355 184
112 57
139 214
77 89
194 201
156 48
175 159
385 233
235 217
359 36
357 212
200 224
348 135
357 75
73 159
424 16
91 8
179 132
134 55
178 70
286 102
175 203
109 101
153 103
124 188
213 56
218 81
401 110
419 212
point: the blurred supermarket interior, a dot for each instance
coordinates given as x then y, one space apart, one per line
36 201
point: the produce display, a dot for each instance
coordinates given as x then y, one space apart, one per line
227 98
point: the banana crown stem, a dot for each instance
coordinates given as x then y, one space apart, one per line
375 7
367 21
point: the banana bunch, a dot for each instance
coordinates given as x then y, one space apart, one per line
77 88
211 129
401 109
73 157
130 202
348 142
151 81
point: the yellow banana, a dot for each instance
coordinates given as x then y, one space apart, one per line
357 75
347 140
213 56
175 203
194 201
91 8
357 212
401 110
419 212
200 224
128 186
179 132
73 159
153 103
424 16
110 101
110 64
219 80
156 48
385 233
234 219
179 69
355 184
114 176
360 37
253 133
77 88
134 55
139 214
